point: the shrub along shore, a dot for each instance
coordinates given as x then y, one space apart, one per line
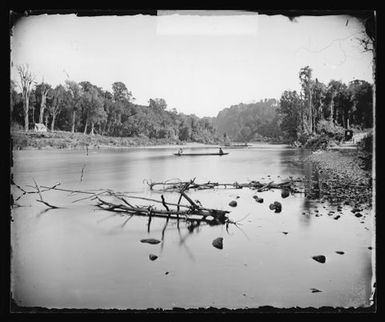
66 140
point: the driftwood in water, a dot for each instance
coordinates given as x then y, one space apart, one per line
191 212
179 185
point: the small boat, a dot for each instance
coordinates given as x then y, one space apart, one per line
197 154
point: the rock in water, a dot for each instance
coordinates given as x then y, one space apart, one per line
315 290
278 206
340 252
150 241
153 257
218 243
358 215
320 258
233 203
272 206
260 200
285 193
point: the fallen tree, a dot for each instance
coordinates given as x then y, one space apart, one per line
193 211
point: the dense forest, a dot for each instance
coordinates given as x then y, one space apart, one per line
248 122
325 108
85 107
316 109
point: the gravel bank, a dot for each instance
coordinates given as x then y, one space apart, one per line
338 178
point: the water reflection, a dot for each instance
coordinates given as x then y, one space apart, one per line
78 257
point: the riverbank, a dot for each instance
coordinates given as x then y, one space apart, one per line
337 177
66 140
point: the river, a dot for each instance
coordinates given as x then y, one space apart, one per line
79 256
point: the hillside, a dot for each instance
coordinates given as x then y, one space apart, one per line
247 122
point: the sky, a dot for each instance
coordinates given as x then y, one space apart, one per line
200 64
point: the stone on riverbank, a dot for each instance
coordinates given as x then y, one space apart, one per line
315 290
218 243
153 257
233 203
338 178
320 258
285 193
277 206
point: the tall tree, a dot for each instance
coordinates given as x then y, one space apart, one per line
97 113
305 75
361 95
12 95
26 84
92 104
290 112
120 92
16 102
74 91
43 90
332 91
58 102
121 108
318 99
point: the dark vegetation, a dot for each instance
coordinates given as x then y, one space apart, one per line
365 152
86 108
250 122
320 113
312 118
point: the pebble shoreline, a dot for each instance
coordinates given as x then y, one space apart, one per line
338 178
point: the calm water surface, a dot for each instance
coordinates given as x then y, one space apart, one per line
82 257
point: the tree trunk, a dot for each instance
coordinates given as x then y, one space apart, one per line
109 127
53 122
103 130
33 114
26 108
92 128
42 107
85 127
332 109
46 120
73 121
310 112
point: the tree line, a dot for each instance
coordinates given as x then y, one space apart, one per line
85 107
298 116
319 107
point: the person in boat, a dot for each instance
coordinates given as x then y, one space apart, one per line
220 151
180 151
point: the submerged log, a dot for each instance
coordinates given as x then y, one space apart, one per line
151 241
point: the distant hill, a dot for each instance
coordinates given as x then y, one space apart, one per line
246 122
